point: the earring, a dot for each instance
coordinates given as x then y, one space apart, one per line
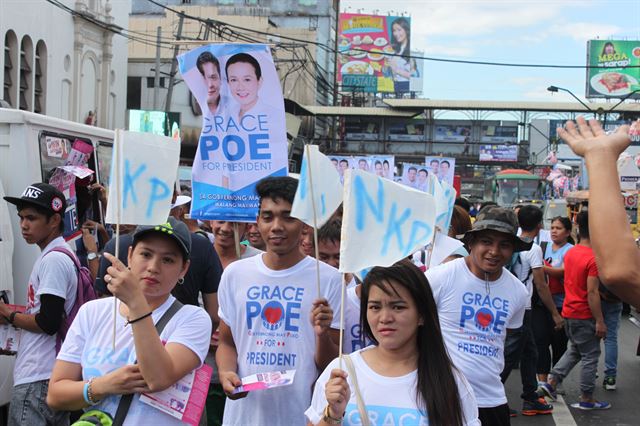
180 281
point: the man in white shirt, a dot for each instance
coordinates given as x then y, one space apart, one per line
272 317
51 294
478 300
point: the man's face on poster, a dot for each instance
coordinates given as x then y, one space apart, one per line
434 167
379 170
444 169
411 174
362 165
422 176
212 79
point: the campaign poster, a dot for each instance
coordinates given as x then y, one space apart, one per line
452 132
382 165
243 137
374 53
614 69
342 164
441 167
415 176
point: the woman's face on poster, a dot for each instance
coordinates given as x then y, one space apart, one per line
399 34
243 83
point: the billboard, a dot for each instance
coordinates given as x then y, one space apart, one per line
452 132
613 70
499 134
498 152
608 126
374 53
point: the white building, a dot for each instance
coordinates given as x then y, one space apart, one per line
63 58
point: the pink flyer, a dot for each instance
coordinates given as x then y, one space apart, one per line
184 400
261 381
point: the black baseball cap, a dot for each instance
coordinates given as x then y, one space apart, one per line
172 228
502 220
41 195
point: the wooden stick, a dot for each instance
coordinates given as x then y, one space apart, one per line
340 344
236 239
430 250
118 170
315 220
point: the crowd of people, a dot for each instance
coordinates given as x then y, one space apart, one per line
425 344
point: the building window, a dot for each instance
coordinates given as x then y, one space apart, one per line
150 81
26 74
40 78
10 68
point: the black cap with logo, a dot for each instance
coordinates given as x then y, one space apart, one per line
41 195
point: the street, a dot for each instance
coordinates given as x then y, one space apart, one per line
624 399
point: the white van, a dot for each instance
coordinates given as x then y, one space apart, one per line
31 147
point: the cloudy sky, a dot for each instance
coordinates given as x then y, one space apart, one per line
507 31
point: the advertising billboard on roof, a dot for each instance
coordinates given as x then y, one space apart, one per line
614 69
374 54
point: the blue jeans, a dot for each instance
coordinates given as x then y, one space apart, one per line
584 347
611 312
29 407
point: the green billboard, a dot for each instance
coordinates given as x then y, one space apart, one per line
614 69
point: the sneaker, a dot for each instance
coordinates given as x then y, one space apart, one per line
539 406
609 383
595 405
513 413
549 391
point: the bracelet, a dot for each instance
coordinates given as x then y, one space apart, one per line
90 395
329 419
138 319
12 316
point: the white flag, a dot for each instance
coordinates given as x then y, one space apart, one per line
325 194
445 200
143 171
383 221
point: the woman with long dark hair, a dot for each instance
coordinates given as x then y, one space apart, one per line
407 372
400 65
543 325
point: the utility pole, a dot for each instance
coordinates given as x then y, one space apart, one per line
156 77
174 65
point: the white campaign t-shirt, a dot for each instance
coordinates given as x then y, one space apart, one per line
523 270
389 400
55 274
268 313
474 321
353 338
89 343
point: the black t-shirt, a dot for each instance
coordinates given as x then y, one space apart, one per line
203 275
204 272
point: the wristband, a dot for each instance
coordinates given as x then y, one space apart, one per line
12 316
87 394
138 319
327 418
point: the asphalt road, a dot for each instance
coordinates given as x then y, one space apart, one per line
625 400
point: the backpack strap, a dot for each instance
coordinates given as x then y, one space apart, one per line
126 400
73 257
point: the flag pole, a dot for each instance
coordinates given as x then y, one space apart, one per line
315 219
236 239
117 168
430 251
340 343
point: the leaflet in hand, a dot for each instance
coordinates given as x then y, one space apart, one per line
262 381
185 399
10 335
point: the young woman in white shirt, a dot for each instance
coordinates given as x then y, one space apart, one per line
407 375
92 371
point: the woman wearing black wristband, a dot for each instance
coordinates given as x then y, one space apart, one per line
89 371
